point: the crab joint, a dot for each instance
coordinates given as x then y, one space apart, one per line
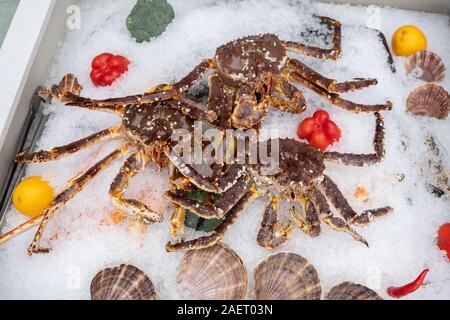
177 223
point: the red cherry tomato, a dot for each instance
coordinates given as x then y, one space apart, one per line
119 63
306 128
319 130
332 130
444 238
101 60
320 140
106 68
321 116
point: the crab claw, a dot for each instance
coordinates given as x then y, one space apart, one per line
177 224
340 225
272 234
249 110
307 220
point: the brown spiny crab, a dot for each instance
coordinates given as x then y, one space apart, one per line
146 130
257 72
298 178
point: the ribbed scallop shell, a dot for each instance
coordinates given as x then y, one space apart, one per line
425 65
429 100
286 276
215 273
352 291
125 282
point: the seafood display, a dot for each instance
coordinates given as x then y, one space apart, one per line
125 282
255 67
227 170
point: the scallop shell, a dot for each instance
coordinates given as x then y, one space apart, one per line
429 100
352 291
125 282
286 276
215 273
425 65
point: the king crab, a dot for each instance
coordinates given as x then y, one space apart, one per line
256 71
250 72
299 176
146 131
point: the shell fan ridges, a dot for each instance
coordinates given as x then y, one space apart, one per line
214 273
125 282
286 276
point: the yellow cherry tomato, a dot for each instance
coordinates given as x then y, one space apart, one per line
32 195
408 40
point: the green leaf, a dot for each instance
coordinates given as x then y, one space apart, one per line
149 18
199 224
209 225
199 195
191 220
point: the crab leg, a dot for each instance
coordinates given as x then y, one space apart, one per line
188 172
161 93
191 110
320 202
271 235
340 203
179 214
68 84
308 219
135 164
330 85
363 159
115 105
75 185
219 101
296 101
68 92
195 75
333 53
218 234
209 211
177 223
229 177
336 99
59 152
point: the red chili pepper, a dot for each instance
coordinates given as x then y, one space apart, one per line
319 130
398 292
106 68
